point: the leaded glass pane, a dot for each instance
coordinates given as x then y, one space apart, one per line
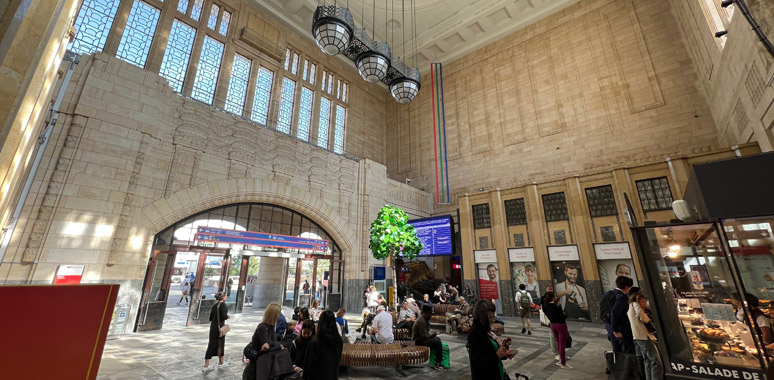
92 25
601 201
177 55
286 105
138 34
338 89
237 86
343 92
196 11
262 96
481 218
312 73
324 77
182 6
306 70
224 21
213 20
515 212
294 68
325 120
305 114
655 194
338 137
330 84
287 59
207 74
555 207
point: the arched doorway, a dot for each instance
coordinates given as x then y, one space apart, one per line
256 253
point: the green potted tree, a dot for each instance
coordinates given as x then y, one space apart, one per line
393 238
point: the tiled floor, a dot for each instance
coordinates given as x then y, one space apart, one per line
176 352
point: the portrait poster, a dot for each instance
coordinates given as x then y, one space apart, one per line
489 284
570 288
526 273
609 270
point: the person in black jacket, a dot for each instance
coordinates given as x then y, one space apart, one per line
216 344
265 336
619 320
485 350
299 346
324 351
553 310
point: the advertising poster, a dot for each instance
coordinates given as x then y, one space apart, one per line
613 260
525 273
569 286
488 281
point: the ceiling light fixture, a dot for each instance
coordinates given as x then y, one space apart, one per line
334 31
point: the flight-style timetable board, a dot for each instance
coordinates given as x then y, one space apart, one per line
435 233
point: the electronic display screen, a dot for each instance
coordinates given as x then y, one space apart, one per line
435 233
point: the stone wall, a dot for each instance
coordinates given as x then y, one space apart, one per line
132 158
598 85
736 79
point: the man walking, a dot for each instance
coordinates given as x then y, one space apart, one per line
423 337
524 302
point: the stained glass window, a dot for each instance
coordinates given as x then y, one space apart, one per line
286 105
338 137
601 201
312 73
92 25
343 92
138 34
515 212
294 68
287 59
213 20
481 218
325 120
182 6
305 114
224 21
655 194
177 55
237 86
207 74
262 96
196 11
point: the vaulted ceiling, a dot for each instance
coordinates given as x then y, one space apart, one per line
446 29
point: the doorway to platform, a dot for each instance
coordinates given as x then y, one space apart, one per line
255 254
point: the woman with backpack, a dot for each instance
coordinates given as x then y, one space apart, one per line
524 301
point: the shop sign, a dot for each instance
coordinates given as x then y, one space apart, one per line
68 274
706 371
380 273
612 251
563 253
521 255
485 256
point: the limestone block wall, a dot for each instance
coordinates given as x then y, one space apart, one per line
599 85
736 79
131 158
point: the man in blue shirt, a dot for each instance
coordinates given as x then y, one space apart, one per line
282 325
619 319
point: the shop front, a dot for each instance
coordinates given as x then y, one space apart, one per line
710 286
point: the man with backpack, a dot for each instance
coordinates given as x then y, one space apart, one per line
524 302
613 311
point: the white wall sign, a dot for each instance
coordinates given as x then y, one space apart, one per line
485 256
563 253
612 251
521 255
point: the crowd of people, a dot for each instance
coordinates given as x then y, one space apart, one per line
310 344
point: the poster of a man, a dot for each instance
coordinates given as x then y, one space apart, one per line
569 288
489 284
609 270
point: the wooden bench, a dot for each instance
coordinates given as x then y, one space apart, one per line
364 354
399 334
439 313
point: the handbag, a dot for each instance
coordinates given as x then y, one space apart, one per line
544 319
281 364
568 343
250 352
225 328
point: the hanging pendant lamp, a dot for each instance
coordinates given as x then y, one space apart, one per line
332 28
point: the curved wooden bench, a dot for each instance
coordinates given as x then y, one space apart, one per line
363 354
439 313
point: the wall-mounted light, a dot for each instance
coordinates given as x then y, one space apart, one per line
720 33
480 189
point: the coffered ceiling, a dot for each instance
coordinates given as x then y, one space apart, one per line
446 29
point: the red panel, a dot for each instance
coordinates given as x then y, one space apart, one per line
54 332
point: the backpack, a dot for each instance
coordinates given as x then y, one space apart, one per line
524 300
606 305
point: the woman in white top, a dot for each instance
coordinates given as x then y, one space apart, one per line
373 299
644 341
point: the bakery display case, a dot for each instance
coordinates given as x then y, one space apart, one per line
696 278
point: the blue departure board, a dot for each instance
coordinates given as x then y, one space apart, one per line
435 234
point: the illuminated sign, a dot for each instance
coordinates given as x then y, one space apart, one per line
260 239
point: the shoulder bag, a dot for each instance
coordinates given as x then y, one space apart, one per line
250 352
225 328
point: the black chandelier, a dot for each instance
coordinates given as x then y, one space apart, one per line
334 32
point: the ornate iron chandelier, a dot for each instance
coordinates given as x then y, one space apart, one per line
334 32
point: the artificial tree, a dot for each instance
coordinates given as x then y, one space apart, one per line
392 237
